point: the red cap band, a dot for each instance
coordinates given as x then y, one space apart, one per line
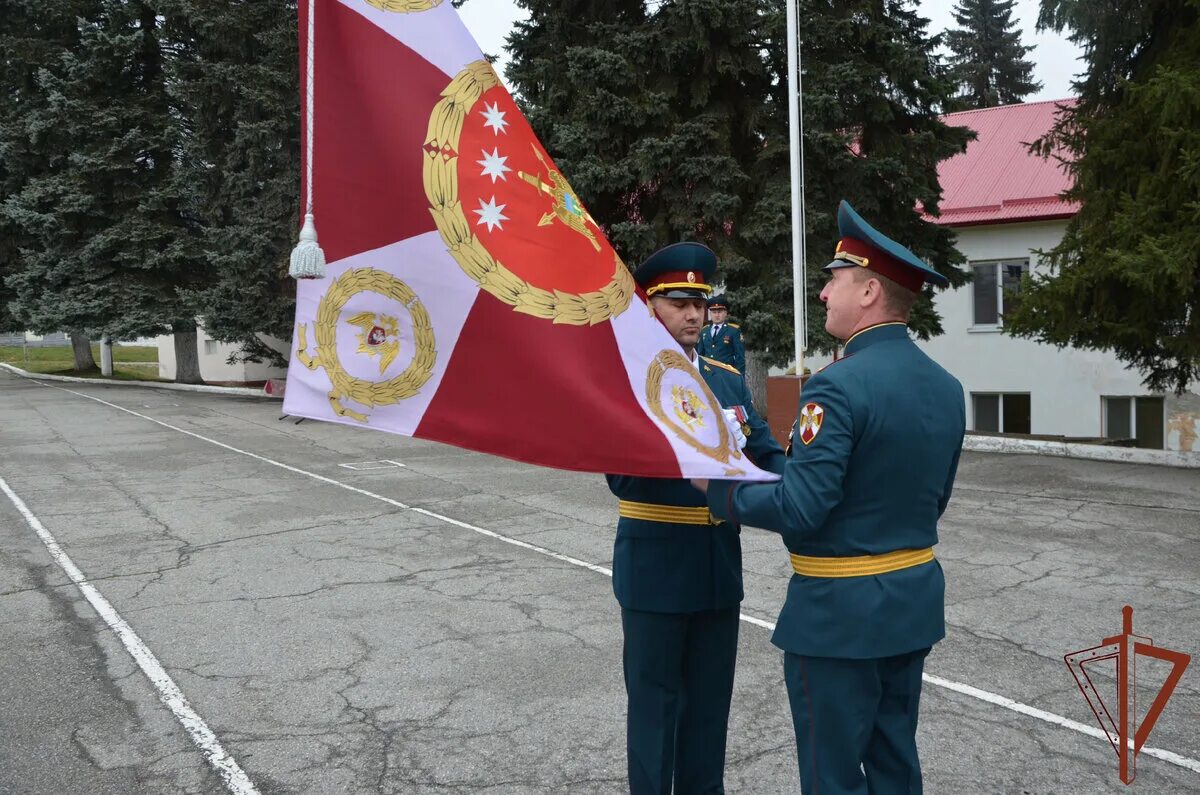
882 263
677 279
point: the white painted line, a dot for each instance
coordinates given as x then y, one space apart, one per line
1025 709
367 466
482 531
169 693
758 622
974 692
1058 720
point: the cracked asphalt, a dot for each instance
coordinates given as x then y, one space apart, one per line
338 643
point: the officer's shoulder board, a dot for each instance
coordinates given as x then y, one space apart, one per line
831 364
733 325
722 365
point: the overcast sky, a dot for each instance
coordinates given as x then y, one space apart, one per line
1054 57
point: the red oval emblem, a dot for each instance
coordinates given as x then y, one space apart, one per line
508 216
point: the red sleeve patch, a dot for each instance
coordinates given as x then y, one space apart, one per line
809 423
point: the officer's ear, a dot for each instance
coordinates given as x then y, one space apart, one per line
872 289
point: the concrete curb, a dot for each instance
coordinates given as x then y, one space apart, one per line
218 390
1094 452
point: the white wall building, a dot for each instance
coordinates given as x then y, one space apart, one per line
1004 204
1021 386
213 356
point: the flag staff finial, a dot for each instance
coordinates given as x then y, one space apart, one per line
308 260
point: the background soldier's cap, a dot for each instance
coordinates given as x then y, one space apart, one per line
718 302
681 270
863 246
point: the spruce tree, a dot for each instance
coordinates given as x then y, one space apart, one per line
33 35
701 145
709 77
108 245
987 60
872 94
1126 275
578 71
235 81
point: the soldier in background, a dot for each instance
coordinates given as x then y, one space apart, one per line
720 339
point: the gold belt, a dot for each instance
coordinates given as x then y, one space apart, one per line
670 514
861 565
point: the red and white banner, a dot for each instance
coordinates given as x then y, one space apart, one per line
470 298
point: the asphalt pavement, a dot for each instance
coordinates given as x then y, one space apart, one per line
428 619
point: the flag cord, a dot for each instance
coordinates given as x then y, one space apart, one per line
308 113
308 260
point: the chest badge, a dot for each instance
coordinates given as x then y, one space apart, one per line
809 423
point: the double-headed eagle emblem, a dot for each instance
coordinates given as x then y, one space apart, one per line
688 407
379 337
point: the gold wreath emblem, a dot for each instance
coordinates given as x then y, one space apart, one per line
361 391
441 188
404 6
674 360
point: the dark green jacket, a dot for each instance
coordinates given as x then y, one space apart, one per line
874 477
726 347
684 568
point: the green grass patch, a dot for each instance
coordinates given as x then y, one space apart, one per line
20 355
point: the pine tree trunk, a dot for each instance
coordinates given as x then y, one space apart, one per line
756 380
81 347
187 357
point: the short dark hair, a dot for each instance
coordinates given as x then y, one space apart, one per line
897 299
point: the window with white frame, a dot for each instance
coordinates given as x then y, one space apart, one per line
210 347
1001 412
995 286
1138 418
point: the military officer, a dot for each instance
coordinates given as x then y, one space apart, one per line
677 572
720 339
873 460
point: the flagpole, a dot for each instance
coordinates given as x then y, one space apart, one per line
796 164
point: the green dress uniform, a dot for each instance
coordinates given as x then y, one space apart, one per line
873 459
677 574
722 342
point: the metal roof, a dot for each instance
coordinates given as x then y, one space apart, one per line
997 180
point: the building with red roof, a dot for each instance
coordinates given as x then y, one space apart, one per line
1005 205
996 180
